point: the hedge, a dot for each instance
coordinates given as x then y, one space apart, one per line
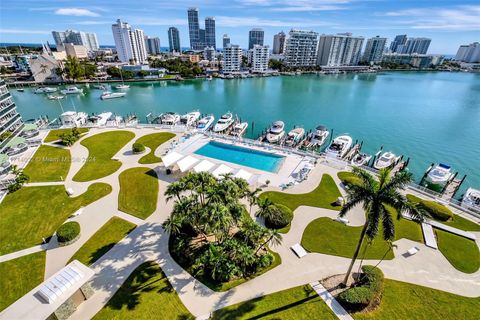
138 147
367 293
436 210
282 218
68 232
348 178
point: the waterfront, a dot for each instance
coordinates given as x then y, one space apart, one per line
429 117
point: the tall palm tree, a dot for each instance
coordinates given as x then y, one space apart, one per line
375 195
271 236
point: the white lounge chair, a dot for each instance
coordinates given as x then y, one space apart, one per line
298 250
412 251
343 220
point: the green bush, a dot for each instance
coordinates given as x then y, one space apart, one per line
348 178
366 293
138 147
68 232
281 217
436 210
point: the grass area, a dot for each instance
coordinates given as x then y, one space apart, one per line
461 252
54 135
19 276
48 164
146 294
324 196
348 177
402 300
103 240
296 303
33 213
153 141
101 148
138 192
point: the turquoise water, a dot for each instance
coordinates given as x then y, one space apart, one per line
242 156
427 116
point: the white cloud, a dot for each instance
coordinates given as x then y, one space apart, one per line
297 5
23 31
79 12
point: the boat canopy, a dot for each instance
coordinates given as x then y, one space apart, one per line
444 166
321 128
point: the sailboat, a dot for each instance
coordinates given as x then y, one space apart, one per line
123 85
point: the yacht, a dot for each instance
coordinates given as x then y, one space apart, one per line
54 97
100 119
112 95
170 118
73 119
114 120
471 199
339 146
122 86
225 122
45 90
205 123
190 118
361 159
71 90
276 132
438 177
386 160
294 137
318 137
239 129
131 120
100 87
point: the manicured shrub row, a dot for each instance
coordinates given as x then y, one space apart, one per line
367 293
436 210
68 232
138 147
280 219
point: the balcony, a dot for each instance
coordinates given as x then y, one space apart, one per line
5 108
9 122
4 96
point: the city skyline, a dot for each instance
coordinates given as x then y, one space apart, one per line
449 24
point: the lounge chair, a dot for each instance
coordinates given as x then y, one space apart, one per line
412 251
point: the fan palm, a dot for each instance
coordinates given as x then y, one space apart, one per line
375 195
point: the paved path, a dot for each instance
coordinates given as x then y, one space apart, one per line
330 301
24 252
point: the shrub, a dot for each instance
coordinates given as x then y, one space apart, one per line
366 293
68 232
138 147
436 210
348 178
281 216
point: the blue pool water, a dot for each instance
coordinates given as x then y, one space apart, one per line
242 156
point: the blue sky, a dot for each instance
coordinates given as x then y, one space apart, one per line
448 23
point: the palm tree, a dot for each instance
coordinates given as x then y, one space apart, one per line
252 197
375 195
266 208
174 190
271 236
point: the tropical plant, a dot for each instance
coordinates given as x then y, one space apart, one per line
375 195
19 180
69 138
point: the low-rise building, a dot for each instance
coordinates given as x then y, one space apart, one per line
232 58
259 58
420 61
73 50
209 53
469 53
44 68
301 48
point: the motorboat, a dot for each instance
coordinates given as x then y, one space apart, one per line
276 132
99 119
386 160
73 119
438 177
339 146
239 129
190 118
131 120
55 97
71 90
318 137
225 122
114 120
100 87
45 90
205 123
471 198
294 137
122 86
361 159
170 118
112 95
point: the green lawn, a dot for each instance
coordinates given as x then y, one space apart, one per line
294 304
461 252
138 192
48 164
33 213
19 276
103 240
348 177
402 300
54 135
153 141
146 294
101 148
324 195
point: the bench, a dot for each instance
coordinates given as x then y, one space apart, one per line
298 250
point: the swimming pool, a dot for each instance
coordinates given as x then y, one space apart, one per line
242 156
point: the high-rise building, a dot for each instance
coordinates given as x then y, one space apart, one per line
341 49
201 44
11 123
210 32
152 45
469 53
374 50
416 45
260 56
79 38
255 36
130 43
194 30
72 50
226 40
232 58
399 40
301 48
174 39
279 43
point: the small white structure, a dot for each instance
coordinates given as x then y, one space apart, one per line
171 158
187 163
221 170
242 174
204 166
299 251
412 251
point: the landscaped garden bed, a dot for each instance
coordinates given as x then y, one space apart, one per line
153 141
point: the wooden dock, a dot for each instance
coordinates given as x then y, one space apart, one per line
352 152
451 188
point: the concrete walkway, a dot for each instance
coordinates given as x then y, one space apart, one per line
24 252
330 301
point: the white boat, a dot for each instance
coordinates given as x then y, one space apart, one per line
112 95
114 120
471 198
386 160
170 118
73 119
53 97
100 87
361 159
190 118
205 123
225 122
339 146
122 86
276 132
239 129
100 119
45 90
71 90
318 137
438 177
294 137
